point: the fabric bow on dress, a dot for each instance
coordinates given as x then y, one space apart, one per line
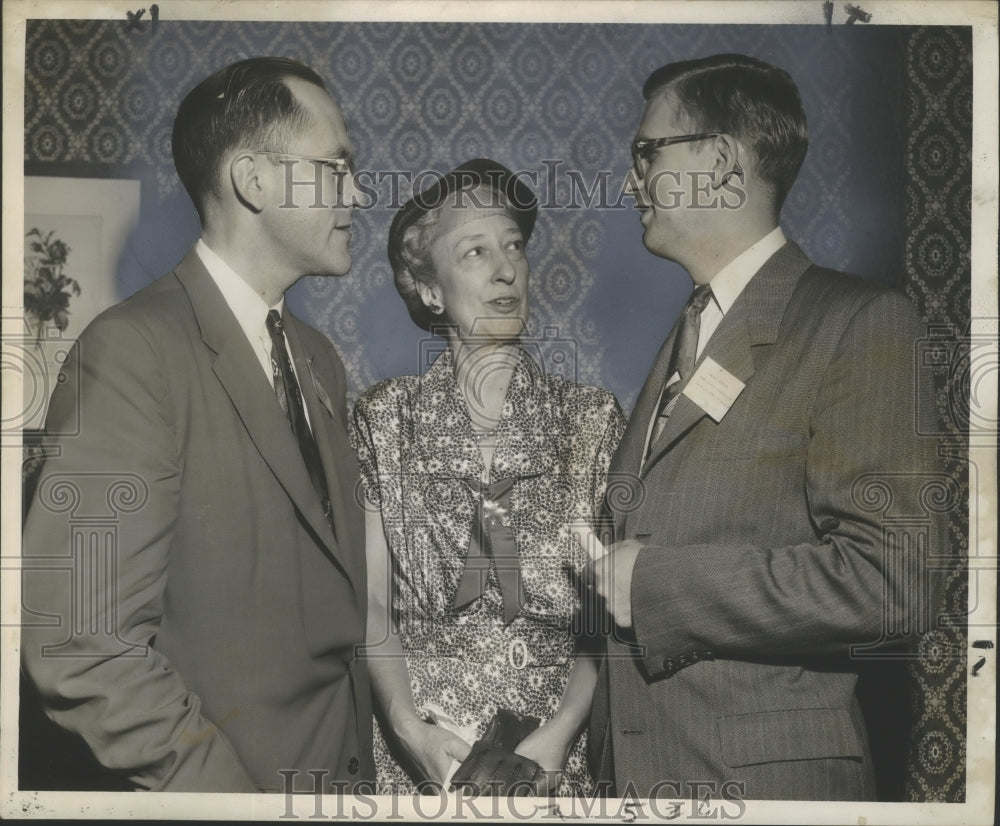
492 542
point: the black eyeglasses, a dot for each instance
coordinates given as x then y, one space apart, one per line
643 149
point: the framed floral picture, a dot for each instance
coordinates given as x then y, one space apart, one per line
76 233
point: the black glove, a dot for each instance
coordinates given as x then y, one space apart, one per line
492 768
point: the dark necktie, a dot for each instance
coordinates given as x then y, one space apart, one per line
287 390
682 358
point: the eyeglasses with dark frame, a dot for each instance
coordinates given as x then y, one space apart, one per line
643 148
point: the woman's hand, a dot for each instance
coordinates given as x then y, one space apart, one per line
432 747
548 745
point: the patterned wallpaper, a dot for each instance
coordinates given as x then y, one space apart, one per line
561 101
884 192
937 202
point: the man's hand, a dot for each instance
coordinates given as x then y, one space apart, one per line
612 579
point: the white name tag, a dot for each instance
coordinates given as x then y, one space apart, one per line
713 388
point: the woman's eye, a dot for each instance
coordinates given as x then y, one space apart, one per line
516 245
475 252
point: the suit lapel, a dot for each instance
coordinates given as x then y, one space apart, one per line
627 460
239 372
319 417
752 322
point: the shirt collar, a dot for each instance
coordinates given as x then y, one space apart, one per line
732 279
248 307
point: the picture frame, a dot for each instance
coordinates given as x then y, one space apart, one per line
87 223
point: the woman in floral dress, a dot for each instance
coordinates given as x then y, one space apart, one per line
473 472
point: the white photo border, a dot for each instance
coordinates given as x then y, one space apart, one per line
981 16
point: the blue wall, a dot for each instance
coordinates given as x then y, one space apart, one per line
428 96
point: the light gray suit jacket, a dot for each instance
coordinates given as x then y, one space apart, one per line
188 609
774 541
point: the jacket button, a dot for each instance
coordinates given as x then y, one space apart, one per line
353 765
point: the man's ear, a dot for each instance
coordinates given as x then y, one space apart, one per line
245 177
727 161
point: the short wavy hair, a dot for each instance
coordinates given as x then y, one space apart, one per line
417 267
748 99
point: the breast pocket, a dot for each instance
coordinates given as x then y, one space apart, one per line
760 440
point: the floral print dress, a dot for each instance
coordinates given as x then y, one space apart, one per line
417 454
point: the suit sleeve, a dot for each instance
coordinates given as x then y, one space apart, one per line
865 465
96 544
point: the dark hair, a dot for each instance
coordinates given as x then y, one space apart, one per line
412 227
246 103
748 99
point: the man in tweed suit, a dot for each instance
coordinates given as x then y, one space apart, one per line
770 449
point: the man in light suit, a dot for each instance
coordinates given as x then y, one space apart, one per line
202 636
779 519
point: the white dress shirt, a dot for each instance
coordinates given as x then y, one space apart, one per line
249 308
731 280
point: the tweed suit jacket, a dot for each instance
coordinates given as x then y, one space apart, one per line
214 644
767 553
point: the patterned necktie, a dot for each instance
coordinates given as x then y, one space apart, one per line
682 358
287 390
